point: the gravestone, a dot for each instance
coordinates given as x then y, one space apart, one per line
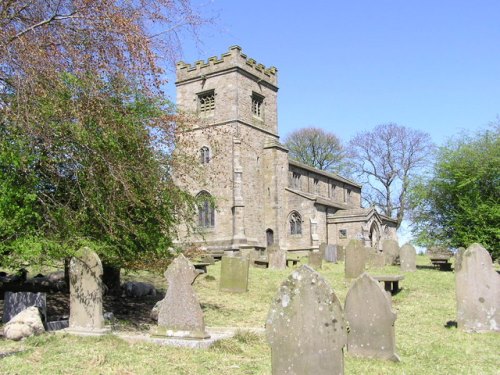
234 274
315 259
208 259
276 257
331 253
355 259
85 301
390 248
371 320
477 287
458 258
408 258
305 326
376 259
14 303
180 313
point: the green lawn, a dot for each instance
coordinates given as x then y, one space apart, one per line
424 343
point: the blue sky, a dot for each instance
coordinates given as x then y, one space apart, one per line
349 65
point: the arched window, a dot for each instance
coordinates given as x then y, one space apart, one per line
295 223
206 211
204 155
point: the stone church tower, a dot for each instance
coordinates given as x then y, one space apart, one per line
235 99
250 194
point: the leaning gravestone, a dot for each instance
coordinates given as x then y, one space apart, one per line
305 326
234 274
330 253
355 259
458 258
180 313
407 258
316 259
390 248
85 301
477 287
14 303
276 257
371 320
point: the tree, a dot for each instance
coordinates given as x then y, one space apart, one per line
86 134
387 159
459 203
317 148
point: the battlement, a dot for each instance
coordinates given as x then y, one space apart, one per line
233 58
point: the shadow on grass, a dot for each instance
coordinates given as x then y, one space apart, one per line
451 324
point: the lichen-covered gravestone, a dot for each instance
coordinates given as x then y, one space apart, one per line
276 257
85 286
355 259
371 320
390 248
477 287
407 258
316 259
234 274
180 313
305 327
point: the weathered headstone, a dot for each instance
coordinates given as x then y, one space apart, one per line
390 248
14 303
316 260
331 253
234 274
305 326
376 259
477 287
180 313
85 286
371 320
355 259
458 258
408 258
276 257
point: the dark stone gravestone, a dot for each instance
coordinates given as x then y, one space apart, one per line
276 257
390 248
331 253
85 285
234 274
305 326
371 320
14 303
477 287
408 258
355 259
180 313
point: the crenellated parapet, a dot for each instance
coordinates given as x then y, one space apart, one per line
234 58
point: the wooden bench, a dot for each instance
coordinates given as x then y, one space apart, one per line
391 282
442 262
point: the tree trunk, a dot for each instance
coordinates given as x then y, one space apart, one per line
111 278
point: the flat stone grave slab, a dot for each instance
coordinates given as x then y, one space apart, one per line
391 282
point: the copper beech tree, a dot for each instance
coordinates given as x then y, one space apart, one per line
86 133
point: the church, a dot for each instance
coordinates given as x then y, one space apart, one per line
250 194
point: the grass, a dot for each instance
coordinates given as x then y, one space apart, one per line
425 343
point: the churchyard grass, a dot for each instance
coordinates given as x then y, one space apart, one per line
426 339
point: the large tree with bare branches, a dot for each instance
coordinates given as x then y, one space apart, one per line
386 159
86 133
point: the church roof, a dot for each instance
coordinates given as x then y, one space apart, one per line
323 173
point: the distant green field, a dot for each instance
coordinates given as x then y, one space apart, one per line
425 343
